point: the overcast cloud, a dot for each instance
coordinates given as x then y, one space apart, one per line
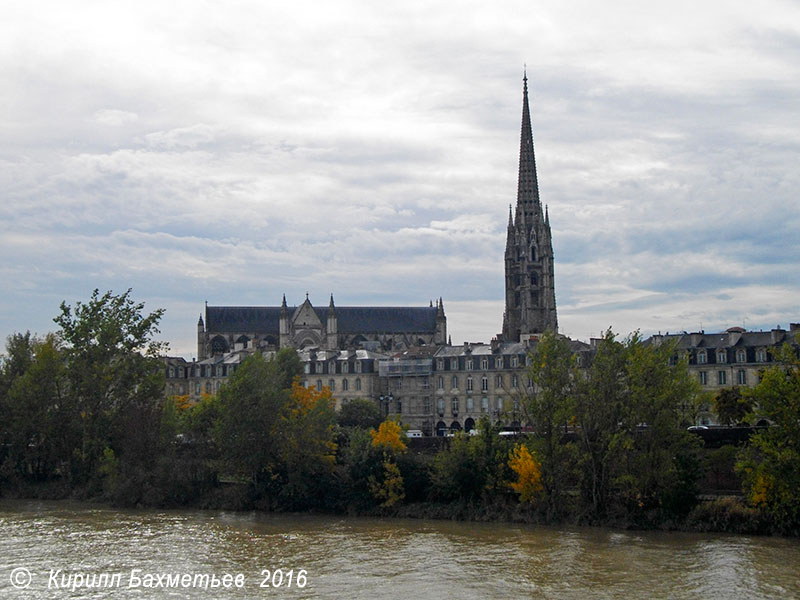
233 152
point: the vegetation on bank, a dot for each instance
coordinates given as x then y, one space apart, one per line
82 413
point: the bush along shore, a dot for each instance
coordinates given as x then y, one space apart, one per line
83 415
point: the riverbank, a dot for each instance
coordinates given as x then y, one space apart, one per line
721 514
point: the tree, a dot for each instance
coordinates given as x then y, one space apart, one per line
601 403
550 406
528 471
731 406
115 379
38 420
360 412
770 465
661 468
280 440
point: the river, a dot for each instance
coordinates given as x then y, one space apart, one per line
65 550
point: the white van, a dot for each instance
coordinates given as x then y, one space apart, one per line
414 433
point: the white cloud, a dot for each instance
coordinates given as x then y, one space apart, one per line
199 152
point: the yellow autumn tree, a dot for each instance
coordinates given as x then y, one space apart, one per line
389 437
389 490
529 473
305 398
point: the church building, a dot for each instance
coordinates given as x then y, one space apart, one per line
377 328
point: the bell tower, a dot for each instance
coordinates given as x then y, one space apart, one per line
530 285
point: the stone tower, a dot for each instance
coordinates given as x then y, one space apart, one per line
530 286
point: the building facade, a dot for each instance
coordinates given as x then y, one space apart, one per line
732 358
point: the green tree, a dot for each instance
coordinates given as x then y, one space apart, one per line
731 406
251 405
770 465
280 440
550 406
601 404
115 381
38 419
360 412
662 466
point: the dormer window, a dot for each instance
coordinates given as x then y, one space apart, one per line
722 356
741 356
702 358
761 355
453 364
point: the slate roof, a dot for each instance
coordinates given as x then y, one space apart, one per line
351 319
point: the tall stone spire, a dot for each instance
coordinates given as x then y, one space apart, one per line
527 183
530 287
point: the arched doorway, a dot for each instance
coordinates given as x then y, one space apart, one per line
441 428
455 426
469 424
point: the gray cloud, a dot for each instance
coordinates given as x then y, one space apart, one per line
195 153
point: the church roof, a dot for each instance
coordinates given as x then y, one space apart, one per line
350 319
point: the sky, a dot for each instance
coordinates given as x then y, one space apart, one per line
234 152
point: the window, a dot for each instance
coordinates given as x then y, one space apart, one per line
345 385
320 367
454 383
484 364
741 377
703 378
399 406
358 385
319 385
440 364
514 362
332 385
307 368
440 406
741 356
345 367
454 405
500 404
484 383
469 364
454 364
172 371
469 404
441 382
498 381
722 356
498 362
426 405
469 383
721 378
358 366
484 404
761 355
219 384
514 381
701 357
197 388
